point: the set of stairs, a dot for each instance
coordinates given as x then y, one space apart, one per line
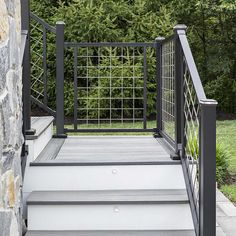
97 197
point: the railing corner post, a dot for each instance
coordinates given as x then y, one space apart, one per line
207 170
25 19
179 96
60 80
158 41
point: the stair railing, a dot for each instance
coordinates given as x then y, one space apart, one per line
42 71
185 118
188 124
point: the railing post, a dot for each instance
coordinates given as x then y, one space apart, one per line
25 25
159 83
207 170
178 73
60 79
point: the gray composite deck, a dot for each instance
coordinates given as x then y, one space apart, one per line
149 196
94 150
114 233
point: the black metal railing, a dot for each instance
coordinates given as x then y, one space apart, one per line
188 124
108 82
43 41
24 36
110 85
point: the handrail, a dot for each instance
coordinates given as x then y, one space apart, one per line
42 22
188 123
109 44
197 126
191 65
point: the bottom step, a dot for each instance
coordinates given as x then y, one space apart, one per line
109 210
114 232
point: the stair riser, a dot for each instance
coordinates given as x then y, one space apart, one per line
104 177
109 217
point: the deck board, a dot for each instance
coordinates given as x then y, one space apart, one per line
104 149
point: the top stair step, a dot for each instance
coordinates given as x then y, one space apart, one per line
39 124
100 151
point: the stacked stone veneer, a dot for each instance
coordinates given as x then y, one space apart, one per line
11 138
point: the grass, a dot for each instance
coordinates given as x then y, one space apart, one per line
136 125
230 191
226 134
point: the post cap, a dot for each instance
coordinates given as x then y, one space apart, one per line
180 27
159 38
60 23
208 102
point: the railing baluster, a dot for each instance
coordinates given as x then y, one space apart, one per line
75 87
60 80
145 87
45 95
207 170
159 83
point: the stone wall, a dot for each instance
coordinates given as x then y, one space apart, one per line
11 138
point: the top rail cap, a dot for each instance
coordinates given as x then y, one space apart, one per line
159 38
208 102
180 29
60 23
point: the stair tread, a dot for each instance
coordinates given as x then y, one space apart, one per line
104 151
40 124
114 232
107 197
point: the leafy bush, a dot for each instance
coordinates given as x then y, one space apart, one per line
222 163
222 158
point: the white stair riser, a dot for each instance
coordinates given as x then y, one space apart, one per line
110 217
104 177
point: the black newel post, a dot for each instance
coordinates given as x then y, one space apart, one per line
25 25
60 80
178 75
207 170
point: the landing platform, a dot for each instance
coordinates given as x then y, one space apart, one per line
108 150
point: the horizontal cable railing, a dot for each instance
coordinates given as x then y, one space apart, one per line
188 124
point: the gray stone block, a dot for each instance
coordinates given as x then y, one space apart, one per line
5 223
4 65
